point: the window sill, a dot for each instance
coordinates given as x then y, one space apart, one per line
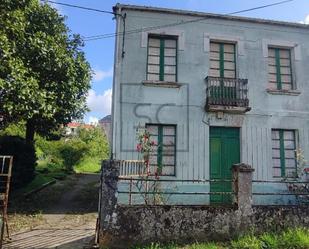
167 84
283 92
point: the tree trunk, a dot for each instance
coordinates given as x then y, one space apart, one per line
30 131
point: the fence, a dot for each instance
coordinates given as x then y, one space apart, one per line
159 191
136 187
6 163
131 167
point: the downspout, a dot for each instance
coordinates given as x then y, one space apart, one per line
117 68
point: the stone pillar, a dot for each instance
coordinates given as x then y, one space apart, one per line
108 199
242 186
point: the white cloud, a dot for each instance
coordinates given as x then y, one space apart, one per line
99 75
306 21
93 120
100 103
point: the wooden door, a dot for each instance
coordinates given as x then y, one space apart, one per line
224 152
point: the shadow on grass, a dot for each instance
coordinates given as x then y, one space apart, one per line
78 193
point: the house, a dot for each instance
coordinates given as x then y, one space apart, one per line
72 127
212 90
106 123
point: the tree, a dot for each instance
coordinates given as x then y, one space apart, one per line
44 76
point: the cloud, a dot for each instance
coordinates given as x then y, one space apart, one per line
99 75
100 103
306 21
93 120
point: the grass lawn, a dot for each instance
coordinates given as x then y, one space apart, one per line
88 165
291 239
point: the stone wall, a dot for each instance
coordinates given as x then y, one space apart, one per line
137 225
122 226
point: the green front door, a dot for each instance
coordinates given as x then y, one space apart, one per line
224 152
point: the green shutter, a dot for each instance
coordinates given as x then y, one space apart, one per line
282 156
160 148
278 71
221 60
161 59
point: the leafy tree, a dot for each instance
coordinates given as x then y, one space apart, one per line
44 76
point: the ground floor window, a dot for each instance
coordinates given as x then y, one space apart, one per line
283 153
163 156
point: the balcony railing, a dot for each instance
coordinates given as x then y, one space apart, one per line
225 94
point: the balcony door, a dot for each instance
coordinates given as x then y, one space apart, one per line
224 152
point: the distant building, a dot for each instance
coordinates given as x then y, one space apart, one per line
71 128
106 124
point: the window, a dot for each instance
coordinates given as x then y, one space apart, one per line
222 60
283 153
279 69
162 59
163 156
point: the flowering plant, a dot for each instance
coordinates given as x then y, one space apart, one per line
144 144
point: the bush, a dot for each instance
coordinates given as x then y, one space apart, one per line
24 161
71 152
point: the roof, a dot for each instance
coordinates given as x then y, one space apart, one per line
209 15
76 124
106 119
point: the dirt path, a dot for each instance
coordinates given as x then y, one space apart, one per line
66 219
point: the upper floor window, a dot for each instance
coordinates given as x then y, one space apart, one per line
222 60
283 153
162 58
279 69
163 156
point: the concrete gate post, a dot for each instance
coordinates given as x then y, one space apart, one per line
242 186
108 198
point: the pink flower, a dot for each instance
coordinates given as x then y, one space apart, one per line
139 147
306 170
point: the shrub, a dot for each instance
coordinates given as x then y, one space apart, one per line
294 239
270 241
72 151
24 160
247 242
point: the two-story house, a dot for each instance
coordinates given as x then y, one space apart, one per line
212 90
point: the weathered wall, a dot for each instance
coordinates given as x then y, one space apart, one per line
136 104
182 224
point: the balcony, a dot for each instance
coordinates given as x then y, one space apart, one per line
227 95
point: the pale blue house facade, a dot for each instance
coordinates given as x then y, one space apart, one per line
212 90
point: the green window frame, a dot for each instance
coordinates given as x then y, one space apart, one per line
162 58
222 60
163 156
284 153
280 69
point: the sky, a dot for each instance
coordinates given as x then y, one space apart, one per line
100 53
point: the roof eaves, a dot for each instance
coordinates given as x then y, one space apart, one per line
210 15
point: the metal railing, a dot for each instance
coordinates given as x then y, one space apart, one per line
149 188
299 190
227 92
131 167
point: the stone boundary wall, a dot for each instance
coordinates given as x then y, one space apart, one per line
122 226
138 225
